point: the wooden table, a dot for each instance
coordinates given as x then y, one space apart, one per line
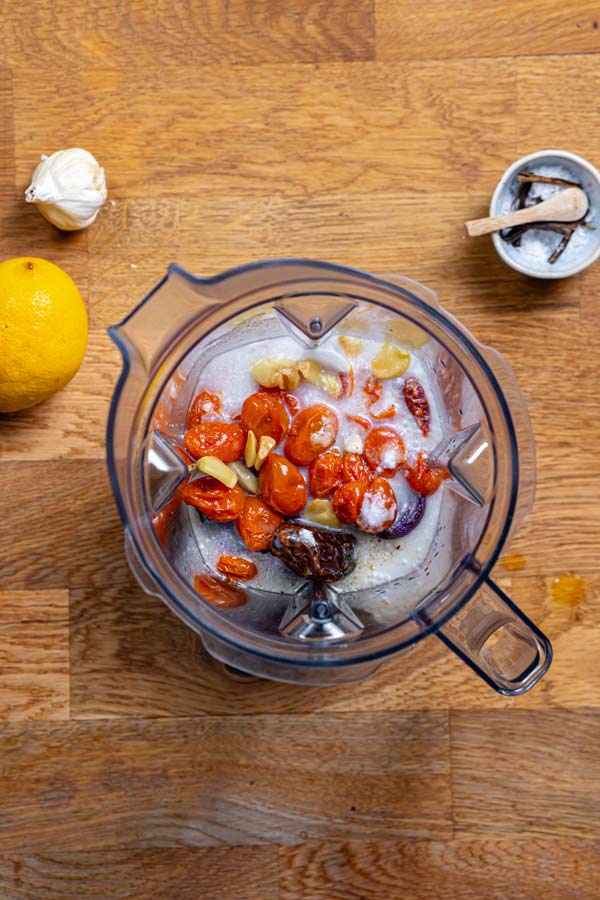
359 131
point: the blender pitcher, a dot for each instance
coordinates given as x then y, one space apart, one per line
318 633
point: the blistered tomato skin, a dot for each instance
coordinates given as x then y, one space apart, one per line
378 507
282 486
313 431
265 414
384 450
217 502
423 477
347 499
373 389
224 440
219 593
204 404
237 568
257 523
325 474
354 468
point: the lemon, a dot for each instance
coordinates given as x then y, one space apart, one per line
43 331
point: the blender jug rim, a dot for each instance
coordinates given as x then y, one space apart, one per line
282 653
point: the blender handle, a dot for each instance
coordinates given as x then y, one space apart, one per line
492 636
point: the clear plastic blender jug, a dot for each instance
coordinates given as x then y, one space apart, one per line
318 634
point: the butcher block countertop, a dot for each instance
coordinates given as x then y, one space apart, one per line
362 132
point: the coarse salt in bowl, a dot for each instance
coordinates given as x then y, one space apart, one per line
536 246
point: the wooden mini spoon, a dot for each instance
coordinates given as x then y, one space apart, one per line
567 206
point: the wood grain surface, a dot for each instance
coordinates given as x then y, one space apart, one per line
363 132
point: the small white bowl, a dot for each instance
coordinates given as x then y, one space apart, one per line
584 247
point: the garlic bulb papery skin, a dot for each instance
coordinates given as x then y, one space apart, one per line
69 187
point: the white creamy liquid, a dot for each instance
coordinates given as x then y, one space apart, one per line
380 561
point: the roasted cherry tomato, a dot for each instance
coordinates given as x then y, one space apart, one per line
425 478
354 468
217 502
384 451
347 499
257 523
282 486
313 431
237 568
222 439
265 414
373 389
325 473
204 403
218 592
378 507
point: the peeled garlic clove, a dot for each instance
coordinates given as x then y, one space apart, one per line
250 449
69 187
350 345
321 511
354 443
390 362
280 373
215 467
329 381
246 478
265 445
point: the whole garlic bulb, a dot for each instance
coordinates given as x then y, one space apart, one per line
69 187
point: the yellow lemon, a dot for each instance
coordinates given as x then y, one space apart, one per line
43 331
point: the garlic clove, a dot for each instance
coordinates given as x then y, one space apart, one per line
69 187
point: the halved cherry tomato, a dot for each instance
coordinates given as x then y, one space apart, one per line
385 451
164 521
347 499
313 431
257 523
204 403
218 592
388 413
378 507
354 468
425 478
217 502
265 414
225 440
282 485
325 473
361 421
237 568
373 389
